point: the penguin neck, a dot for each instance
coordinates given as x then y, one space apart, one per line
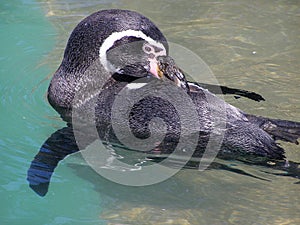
124 78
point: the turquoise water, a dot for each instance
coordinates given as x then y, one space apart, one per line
33 38
27 37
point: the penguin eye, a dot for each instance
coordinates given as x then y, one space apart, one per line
148 49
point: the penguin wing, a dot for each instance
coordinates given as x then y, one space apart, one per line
59 145
219 89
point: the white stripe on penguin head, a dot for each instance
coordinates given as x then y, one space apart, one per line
111 39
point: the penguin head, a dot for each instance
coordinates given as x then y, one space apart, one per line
125 42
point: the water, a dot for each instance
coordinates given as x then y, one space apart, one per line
254 46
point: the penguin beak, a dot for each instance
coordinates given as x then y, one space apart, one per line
164 67
155 69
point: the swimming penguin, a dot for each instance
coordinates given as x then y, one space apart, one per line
116 53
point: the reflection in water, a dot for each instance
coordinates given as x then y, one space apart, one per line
249 45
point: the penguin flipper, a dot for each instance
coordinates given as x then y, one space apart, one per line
60 144
219 89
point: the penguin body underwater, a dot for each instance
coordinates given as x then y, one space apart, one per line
115 50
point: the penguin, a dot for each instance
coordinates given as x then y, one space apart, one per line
121 51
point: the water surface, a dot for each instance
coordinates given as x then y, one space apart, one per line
249 45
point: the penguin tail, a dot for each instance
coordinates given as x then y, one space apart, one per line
283 130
